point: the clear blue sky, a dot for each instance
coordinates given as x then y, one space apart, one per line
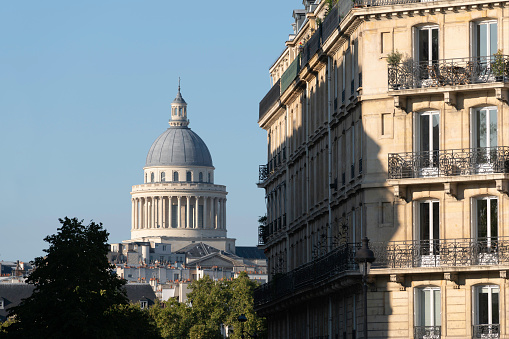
86 87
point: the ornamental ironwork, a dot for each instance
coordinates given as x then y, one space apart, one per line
465 161
388 2
410 74
486 331
427 332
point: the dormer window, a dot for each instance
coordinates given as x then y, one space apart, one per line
1 303
143 304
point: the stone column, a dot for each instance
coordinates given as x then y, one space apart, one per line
152 213
224 213
204 213
188 212
178 211
216 214
132 213
196 199
145 213
163 211
170 212
160 211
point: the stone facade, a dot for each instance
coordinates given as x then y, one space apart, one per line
411 155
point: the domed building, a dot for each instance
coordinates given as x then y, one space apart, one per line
178 202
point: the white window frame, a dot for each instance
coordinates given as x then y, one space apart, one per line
475 301
475 37
475 221
418 303
415 44
473 124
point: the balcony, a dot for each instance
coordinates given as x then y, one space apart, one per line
270 99
427 332
454 162
388 2
262 234
411 254
448 72
264 171
486 331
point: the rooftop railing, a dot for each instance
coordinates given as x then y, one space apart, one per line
453 162
388 2
448 72
270 99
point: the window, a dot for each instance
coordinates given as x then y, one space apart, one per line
175 276
428 228
143 304
426 44
1 303
163 176
486 312
174 220
188 176
200 176
428 131
175 176
484 127
152 177
427 313
485 38
486 222
210 178
145 177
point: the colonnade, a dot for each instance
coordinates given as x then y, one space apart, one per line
198 212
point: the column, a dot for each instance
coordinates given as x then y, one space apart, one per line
216 216
224 213
145 213
132 213
196 199
178 211
163 209
188 212
160 211
204 212
170 212
137 213
152 213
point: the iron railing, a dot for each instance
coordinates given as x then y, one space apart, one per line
388 2
448 72
441 252
394 254
263 234
264 171
427 332
453 162
270 99
486 331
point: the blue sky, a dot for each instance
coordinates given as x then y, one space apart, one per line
86 87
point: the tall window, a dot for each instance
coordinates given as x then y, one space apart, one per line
163 176
427 313
484 127
485 38
486 311
175 176
428 226
428 141
152 177
426 44
486 221
188 176
200 176
210 178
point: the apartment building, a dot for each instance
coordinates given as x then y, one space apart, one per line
388 119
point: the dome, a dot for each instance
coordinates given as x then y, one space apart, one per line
179 146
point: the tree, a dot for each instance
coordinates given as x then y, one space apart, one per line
174 320
74 286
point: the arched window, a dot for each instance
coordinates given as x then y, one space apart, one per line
152 177
200 177
163 176
175 176
188 176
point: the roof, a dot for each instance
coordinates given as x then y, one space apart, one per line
179 146
249 252
12 294
197 250
137 292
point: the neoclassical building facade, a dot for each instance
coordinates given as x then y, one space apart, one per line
178 202
388 119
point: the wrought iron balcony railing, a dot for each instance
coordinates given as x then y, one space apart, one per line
394 254
441 253
263 173
427 332
466 161
486 331
448 72
277 160
388 2
262 234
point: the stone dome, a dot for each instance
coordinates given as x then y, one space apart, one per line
179 146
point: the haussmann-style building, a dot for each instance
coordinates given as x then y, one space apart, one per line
388 119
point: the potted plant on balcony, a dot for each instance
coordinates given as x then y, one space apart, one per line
393 59
498 65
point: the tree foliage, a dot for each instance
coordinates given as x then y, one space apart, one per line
74 286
